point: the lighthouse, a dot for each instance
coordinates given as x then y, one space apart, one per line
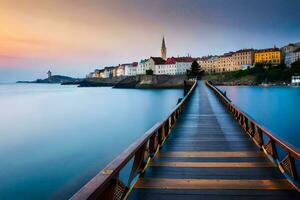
49 74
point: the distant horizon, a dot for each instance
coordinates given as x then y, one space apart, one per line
75 38
44 75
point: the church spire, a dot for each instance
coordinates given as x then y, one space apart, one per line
163 51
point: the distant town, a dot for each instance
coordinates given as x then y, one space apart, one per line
228 62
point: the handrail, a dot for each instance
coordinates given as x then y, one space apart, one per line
264 139
107 184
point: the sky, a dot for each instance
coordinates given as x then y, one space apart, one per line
74 37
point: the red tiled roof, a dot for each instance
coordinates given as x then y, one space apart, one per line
170 61
184 59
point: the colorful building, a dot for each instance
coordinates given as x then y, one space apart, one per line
142 66
242 59
131 69
272 56
208 63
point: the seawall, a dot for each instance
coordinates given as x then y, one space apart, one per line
139 81
152 81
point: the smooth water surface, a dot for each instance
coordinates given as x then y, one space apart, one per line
276 108
54 138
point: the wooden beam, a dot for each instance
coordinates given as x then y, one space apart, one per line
212 164
164 183
211 154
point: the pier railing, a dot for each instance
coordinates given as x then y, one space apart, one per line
108 184
284 155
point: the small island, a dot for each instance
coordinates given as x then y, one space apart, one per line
55 79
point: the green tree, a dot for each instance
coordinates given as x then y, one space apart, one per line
149 72
195 70
296 68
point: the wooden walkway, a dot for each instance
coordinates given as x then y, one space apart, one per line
208 156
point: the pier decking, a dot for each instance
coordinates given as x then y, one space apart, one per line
209 156
207 148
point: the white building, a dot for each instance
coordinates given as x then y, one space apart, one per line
121 70
288 53
174 66
131 69
296 80
143 66
183 64
108 72
290 48
292 57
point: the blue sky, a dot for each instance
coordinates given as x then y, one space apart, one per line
78 36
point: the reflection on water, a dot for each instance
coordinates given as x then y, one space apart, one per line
54 138
276 108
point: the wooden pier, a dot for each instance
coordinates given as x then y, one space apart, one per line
203 150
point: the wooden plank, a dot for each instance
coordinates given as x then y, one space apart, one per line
211 154
213 164
162 183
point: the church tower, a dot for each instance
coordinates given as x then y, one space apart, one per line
163 51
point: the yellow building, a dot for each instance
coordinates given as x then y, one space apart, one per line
273 56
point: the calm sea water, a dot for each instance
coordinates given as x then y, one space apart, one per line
276 108
54 138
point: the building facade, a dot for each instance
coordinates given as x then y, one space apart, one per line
272 56
99 73
109 72
225 63
296 80
208 63
292 57
243 59
232 61
143 66
131 69
290 48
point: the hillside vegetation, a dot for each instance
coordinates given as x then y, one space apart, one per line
260 73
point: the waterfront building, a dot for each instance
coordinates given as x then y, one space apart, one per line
142 67
292 57
231 61
225 63
154 63
242 59
120 70
109 72
174 66
183 64
296 55
288 53
163 51
115 71
272 56
165 67
99 73
290 48
295 80
208 63
131 69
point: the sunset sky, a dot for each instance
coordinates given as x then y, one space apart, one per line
73 37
